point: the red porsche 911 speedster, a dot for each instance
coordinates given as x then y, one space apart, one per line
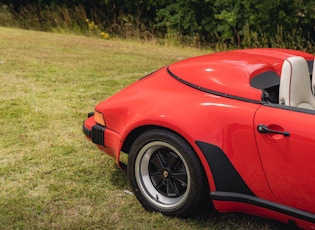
235 126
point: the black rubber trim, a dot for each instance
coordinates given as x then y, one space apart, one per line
226 177
236 197
211 91
98 134
87 131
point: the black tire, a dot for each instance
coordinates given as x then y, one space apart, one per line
165 174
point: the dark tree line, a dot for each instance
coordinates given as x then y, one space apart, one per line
236 22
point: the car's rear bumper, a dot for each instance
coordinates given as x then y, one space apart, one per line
106 139
93 131
96 134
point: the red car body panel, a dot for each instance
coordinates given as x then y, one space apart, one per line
210 102
231 72
278 152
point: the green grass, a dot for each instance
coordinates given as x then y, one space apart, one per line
51 177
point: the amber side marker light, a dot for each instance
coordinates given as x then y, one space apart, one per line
99 118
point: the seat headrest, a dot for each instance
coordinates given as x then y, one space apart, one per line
295 85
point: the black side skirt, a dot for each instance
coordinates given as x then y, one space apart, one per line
236 197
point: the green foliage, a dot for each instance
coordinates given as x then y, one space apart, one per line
214 23
258 21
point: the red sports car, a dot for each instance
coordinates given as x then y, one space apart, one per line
235 126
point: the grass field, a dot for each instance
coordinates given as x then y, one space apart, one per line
51 177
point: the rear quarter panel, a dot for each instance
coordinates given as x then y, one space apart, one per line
161 100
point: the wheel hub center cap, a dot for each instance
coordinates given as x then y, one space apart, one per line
165 173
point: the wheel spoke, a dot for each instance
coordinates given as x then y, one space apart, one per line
171 189
172 159
161 187
158 160
181 177
167 173
156 178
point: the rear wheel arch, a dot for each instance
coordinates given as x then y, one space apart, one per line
132 136
135 133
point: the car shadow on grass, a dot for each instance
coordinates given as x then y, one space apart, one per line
235 221
119 178
207 218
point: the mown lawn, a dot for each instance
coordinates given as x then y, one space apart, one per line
51 177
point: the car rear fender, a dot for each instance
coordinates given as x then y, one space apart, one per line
134 133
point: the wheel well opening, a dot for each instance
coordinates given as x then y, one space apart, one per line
132 136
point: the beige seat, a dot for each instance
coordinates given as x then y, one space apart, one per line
295 84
